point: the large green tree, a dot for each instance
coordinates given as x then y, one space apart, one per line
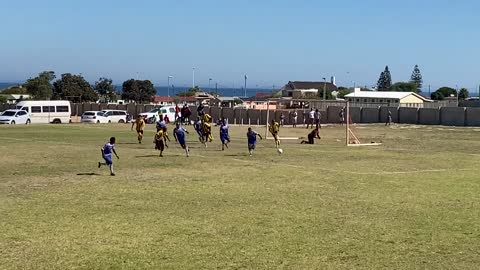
106 90
190 92
140 91
385 81
417 79
343 91
75 88
443 92
41 87
15 90
463 93
404 87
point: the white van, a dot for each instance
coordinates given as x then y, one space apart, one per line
116 116
47 111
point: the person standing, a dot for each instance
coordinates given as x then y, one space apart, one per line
341 115
311 118
177 112
389 118
294 118
318 117
282 119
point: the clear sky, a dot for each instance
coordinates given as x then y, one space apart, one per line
272 41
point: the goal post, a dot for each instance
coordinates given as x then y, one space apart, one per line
350 138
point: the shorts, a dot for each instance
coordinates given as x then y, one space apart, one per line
108 160
311 140
200 133
225 138
140 131
160 145
182 142
275 136
251 146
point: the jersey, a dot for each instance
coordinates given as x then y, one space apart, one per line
108 149
198 125
180 133
252 137
274 127
140 124
224 130
159 135
312 114
161 124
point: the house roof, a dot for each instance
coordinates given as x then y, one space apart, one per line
226 99
304 85
384 94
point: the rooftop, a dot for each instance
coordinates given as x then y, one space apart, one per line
383 94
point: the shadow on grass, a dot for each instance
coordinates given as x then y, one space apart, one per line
237 155
131 143
91 173
146 156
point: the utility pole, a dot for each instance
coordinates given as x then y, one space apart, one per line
193 78
168 85
324 88
245 95
216 88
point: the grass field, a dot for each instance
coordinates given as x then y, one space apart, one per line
412 203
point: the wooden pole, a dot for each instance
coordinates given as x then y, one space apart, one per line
347 125
268 115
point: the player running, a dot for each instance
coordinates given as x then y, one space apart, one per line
158 140
252 140
311 136
107 151
207 128
224 136
198 128
140 126
274 130
181 138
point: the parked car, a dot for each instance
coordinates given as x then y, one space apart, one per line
116 116
165 111
13 117
95 117
47 111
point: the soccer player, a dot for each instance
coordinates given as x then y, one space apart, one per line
224 137
294 118
341 115
389 118
162 124
158 141
207 128
274 130
181 138
107 151
318 117
198 128
140 125
311 137
311 117
252 140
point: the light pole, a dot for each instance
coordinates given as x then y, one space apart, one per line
216 88
168 84
209 80
456 87
193 77
324 88
245 90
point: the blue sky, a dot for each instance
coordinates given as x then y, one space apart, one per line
271 41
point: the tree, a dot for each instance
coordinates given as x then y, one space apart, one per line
3 99
343 91
73 87
404 87
443 92
106 89
139 91
463 93
15 90
190 92
385 81
416 78
41 87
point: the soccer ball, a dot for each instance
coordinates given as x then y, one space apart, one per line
280 151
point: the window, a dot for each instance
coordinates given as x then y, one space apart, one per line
365 100
358 100
48 108
172 110
381 100
20 113
62 108
24 108
396 101
100 113
388 100
36 109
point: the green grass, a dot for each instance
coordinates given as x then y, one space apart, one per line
412 203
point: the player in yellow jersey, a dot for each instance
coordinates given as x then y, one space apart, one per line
158 141
140 126
274 129
207 128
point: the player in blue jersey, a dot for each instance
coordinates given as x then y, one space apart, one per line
224 137
181 138
107 151
252 140
198 128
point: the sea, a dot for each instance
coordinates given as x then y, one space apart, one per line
165 91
